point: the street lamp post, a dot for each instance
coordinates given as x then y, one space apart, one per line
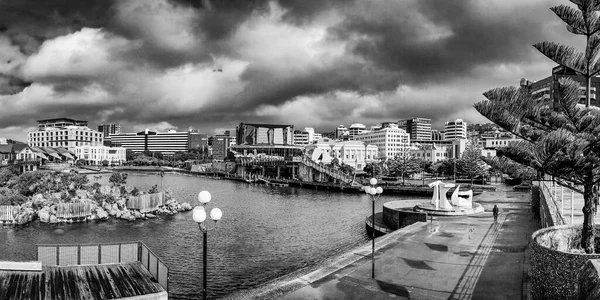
199 216
374 192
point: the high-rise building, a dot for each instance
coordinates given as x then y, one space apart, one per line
455 130
108 130
166 142
64 132
356 129
418 128
221 145
306 136
390 141
436 135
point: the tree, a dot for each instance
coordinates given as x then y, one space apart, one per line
403 164
348 169
374 169
470 162
562 139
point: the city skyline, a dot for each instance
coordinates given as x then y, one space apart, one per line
211 65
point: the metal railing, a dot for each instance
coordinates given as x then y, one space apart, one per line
336 174
550 204
95 254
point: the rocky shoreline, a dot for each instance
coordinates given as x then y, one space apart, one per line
112 204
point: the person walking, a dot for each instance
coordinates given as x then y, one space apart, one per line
495 211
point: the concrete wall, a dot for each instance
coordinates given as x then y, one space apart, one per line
554 272
589 280
548 209
400 218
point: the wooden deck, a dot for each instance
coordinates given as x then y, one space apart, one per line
112 281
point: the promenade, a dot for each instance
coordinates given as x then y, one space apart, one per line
447 258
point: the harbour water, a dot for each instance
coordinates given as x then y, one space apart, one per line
266 232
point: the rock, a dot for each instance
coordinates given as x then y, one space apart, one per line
37 197
44 215
119 213
150 216
53 219
138 215
116 191
102 214
82 194
113 212
56 196
125 215
186 206
115 206
122 203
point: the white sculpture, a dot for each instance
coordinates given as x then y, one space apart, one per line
439 199
459 201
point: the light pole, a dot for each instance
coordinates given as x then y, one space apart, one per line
374 193
199 216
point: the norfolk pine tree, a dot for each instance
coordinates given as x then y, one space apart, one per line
559 139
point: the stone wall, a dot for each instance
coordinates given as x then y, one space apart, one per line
589 280
554 272
402 217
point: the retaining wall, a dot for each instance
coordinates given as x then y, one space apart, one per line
401 217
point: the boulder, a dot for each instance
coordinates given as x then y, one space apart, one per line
102 214
186 206
150 216
53 219
113 212
125 215
122 203
138 215
44 215
120 213
82 194
56 196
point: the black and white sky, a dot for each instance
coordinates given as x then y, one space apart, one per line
315 63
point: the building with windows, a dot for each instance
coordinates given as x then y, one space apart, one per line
418 128
60 123
220 146
455 130
432 153
341 133
356 129
96 155
546 90
353 153
499 142
306 136
64 133
165 142
390 141
108 130
436 135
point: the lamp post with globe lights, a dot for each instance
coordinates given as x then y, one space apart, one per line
374 192
199 216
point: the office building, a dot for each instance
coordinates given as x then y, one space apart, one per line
353 153
306 136
108 130
165 142
264 134
96 155
430 152
454 130
64 132
341 133
436 135
418 128
390 141
356 129
546 90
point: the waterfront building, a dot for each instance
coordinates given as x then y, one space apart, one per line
418 128
454 130
356 129
353 153
267 139
454 148
341 133
430 152
546 90
64 132
165 142
390 141
95 155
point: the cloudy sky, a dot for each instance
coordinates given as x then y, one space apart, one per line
318 63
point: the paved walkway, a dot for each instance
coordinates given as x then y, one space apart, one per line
450 258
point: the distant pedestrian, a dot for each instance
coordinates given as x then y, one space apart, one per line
495 211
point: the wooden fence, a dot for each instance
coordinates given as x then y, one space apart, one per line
73 210
8 213
146 203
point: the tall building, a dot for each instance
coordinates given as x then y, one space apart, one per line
418 128
306 136
455 130
546 90
220 147
390 141
198 140
108 130
166 142
64 132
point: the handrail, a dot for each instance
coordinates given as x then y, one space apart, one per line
552 205
104 253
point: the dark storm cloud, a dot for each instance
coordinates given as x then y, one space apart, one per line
471 34
11 85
